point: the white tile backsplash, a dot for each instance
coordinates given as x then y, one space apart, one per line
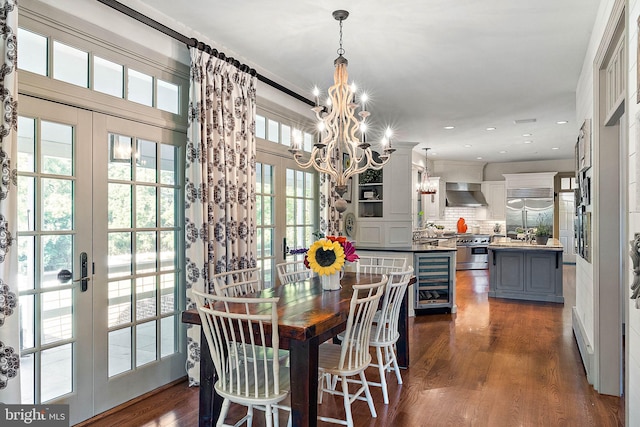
452 215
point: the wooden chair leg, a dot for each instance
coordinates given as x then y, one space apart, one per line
365 384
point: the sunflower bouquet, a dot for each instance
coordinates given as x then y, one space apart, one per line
327 256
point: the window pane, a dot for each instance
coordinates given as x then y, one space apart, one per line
26 200
56 256
119 302
146 161
57 372
167 250
70 65
145 343
145 297
167 207
140 88
119 260
119 351
274 135
119 214
167 293
308 141
57 204
286 135
27 325
261 128
145 206
108 77
27 379
268 179
168 99
57 148
120 157
56 315
168 341
26 265
36 45
146 252
168 165
26 144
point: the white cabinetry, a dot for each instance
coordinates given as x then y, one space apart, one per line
529 180
496 195
389 223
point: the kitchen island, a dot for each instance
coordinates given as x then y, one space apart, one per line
526 271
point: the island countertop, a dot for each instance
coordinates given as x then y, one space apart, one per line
416 247
552 245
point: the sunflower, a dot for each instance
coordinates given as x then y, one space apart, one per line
326 257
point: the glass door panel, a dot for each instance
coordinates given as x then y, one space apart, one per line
54 186
286 205
137 259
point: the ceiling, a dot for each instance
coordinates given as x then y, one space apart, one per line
425 64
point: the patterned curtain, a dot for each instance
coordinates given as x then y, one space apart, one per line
9 321
220 181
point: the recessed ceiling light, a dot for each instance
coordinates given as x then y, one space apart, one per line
479 158
467 145
527 134
449 127
502 152
491 128
555 148
562 122
528 142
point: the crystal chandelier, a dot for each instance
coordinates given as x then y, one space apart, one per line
426 186
341 133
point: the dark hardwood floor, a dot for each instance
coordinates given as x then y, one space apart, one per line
495 363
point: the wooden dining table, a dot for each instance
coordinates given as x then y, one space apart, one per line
307 316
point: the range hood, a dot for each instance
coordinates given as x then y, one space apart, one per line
462 194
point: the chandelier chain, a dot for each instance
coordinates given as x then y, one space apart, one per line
340 49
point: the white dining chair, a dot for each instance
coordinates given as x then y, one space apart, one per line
257 382
237 282
347 361
293 271
385 330
380 265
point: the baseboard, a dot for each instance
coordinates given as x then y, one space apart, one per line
586 349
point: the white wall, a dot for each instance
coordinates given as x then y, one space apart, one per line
633 319
585 297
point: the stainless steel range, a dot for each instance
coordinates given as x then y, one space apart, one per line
473 252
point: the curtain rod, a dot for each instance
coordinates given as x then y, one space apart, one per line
192 42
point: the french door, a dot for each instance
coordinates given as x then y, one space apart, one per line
99 243
287 210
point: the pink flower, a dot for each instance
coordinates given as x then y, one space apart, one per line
349 251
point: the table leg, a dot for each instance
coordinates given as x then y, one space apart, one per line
210 403
304 382
402 346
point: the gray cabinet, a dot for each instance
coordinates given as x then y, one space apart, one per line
534 275
435 280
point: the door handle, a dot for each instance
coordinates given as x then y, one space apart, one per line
84 270
285 249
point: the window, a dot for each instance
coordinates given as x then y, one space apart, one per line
72 65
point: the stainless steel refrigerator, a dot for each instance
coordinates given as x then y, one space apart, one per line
527 208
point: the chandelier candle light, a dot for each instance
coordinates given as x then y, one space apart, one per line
341 132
